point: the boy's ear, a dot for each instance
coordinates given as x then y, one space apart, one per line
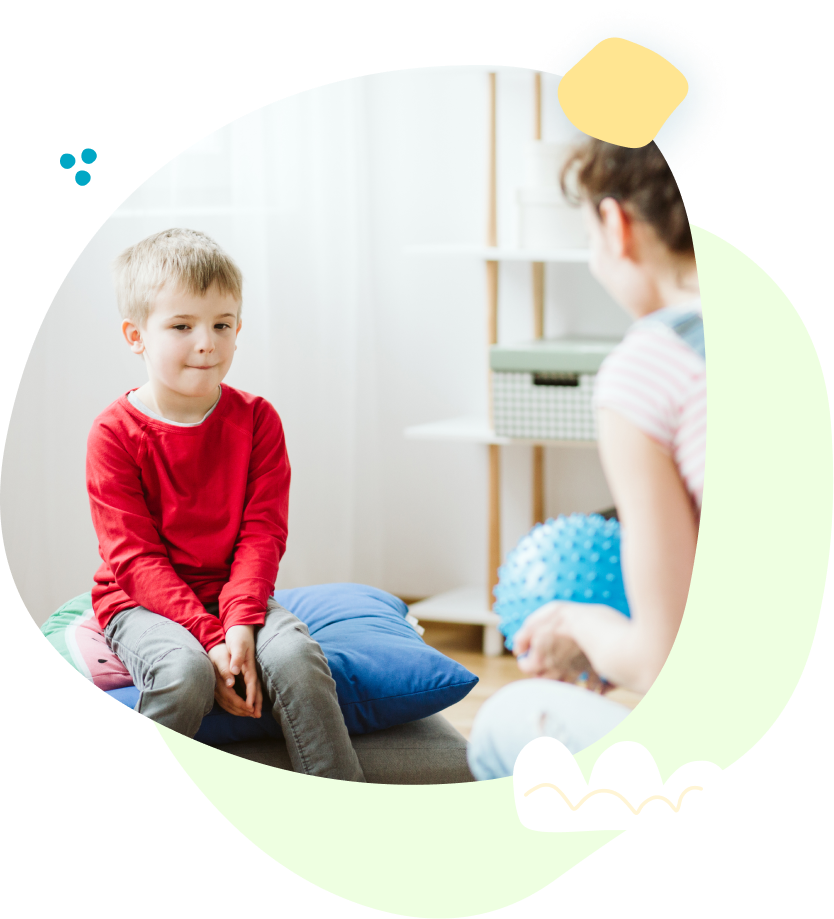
133 336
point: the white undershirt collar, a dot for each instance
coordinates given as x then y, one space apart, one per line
138 403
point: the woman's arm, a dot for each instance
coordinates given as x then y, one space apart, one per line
659 535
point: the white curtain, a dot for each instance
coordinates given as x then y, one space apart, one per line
351 339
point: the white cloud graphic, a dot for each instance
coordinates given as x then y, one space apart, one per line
552 796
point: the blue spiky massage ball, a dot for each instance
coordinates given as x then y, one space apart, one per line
571 558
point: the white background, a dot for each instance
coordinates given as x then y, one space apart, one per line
352 339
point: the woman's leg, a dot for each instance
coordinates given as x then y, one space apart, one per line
169 667
527 709
301 694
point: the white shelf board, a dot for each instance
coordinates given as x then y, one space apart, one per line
468 429
474 430
466 605
500 253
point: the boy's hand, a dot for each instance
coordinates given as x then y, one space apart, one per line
224 691
240 640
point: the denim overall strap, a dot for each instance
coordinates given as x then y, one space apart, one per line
688 326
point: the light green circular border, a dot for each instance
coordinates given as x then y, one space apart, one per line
459 850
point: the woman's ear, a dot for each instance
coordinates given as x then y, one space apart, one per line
616 227
133 336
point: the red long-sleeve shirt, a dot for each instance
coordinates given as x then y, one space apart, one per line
187 516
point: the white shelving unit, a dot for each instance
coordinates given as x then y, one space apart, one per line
499 253
473 605
473 430
470 605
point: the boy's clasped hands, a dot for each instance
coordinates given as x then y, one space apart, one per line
236 656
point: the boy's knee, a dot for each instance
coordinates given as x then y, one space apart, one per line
288 640
293 651
188 672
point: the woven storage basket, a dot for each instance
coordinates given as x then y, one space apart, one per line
543 390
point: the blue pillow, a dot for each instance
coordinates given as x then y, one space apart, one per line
385 673
218 727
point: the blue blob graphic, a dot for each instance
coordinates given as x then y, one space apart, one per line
545 566
82 177
67 160
89 155
696 121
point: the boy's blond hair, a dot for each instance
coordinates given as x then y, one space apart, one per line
182 258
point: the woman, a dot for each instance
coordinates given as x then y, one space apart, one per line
651 415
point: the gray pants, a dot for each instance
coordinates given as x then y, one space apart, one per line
175 678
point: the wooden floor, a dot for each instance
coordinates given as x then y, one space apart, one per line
463 644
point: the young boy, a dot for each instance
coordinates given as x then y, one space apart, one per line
189 482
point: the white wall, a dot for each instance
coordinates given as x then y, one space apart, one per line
352 340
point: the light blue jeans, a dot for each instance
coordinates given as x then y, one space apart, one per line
176 682
527 709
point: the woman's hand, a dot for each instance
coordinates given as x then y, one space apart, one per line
545 648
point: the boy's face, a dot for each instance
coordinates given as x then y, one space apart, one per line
188 341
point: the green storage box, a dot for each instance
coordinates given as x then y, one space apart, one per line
543 390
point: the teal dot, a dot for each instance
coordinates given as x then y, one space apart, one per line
67 160
82 177
89 156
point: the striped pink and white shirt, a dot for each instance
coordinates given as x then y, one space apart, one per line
654 379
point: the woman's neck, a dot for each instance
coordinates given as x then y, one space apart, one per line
670 284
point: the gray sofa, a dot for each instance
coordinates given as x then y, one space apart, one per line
425 752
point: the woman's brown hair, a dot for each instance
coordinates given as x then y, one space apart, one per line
639 178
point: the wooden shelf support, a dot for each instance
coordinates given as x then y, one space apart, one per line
538 326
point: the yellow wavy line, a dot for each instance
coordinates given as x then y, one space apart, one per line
610 791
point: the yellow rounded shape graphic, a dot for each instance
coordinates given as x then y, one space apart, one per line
621 92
